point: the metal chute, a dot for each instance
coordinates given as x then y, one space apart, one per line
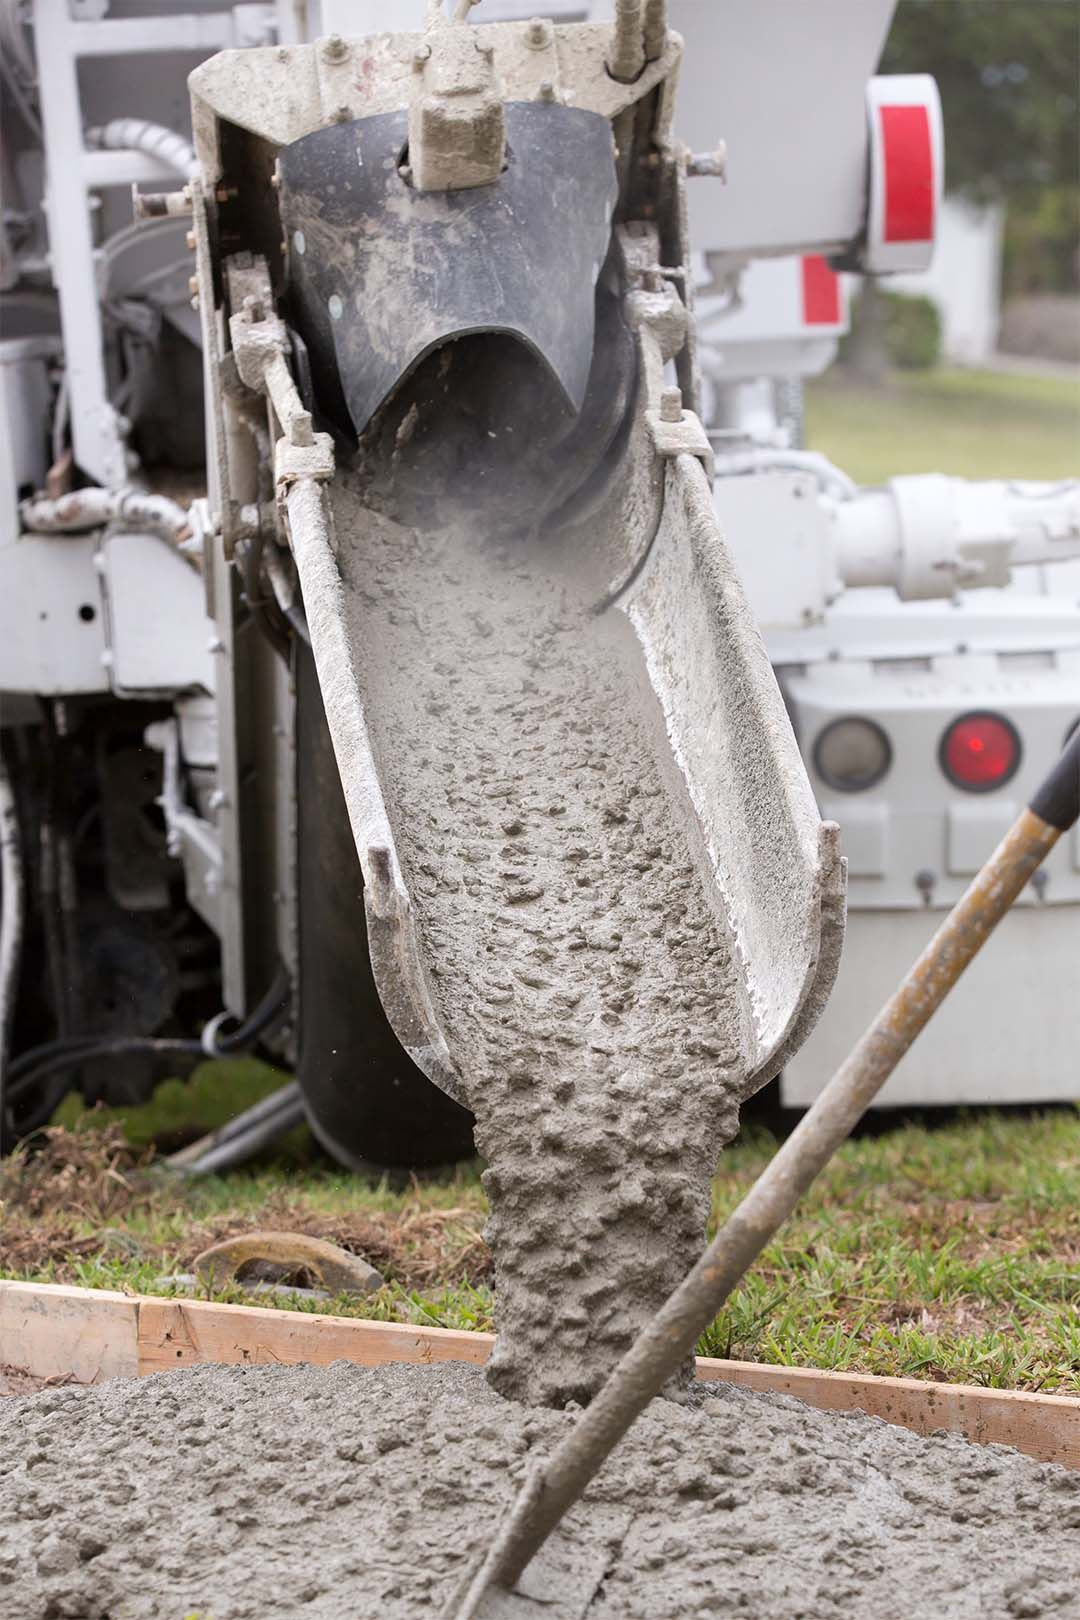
595 881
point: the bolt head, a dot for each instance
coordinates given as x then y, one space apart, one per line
300 430
335 48
671 405
421 55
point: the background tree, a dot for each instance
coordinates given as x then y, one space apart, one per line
1008 72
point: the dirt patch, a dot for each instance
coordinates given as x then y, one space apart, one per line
416 1248
960 1316
13 1381
91 1177
93 1173
254 1493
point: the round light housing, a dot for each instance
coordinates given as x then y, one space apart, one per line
852 754
980 751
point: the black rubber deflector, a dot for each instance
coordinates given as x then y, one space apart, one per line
1058 800
381 274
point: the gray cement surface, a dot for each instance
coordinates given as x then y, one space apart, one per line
274 1493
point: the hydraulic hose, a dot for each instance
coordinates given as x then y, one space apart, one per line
140 135
73 1057
243 1136
92 508
735 463
265 1015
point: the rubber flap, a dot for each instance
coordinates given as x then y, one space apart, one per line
380 273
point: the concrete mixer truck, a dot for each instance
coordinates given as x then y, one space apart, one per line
428 680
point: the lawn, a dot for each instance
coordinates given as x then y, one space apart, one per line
973 424
950 1252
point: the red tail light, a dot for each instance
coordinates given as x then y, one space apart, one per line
980 751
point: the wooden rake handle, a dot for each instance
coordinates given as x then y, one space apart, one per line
659 1350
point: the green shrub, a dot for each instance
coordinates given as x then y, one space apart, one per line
890 329
912 331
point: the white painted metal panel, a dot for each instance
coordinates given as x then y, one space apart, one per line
930 825
52 629
783 82
1008 1033
777 531
158 630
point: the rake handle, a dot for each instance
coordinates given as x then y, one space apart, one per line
661 1347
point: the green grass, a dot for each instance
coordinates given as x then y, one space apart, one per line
943 1253
951 1253
972 424
181 1110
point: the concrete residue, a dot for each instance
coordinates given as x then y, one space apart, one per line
577 955
274 1493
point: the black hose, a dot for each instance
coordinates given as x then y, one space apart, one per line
60 1056
266 1012
74 1056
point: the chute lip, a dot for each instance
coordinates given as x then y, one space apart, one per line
454 336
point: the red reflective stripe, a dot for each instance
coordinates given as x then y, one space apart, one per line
820 292
909 174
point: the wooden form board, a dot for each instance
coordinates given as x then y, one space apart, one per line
92 1335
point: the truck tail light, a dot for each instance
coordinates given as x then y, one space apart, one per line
852 754
980 751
